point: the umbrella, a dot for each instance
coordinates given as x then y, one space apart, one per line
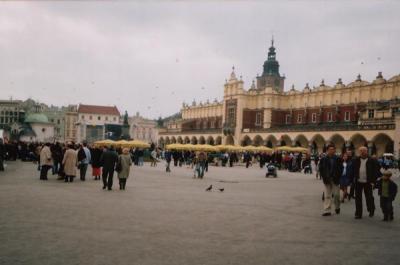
233 148
300 149
205 147
265 149
104 142
139 144
122 143
284 148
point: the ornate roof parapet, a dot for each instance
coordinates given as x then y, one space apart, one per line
339 83
253 86
233 75
395 78
358 82
307 88
379 79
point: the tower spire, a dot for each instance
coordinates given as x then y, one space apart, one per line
272 41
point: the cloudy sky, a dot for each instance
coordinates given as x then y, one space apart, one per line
150 57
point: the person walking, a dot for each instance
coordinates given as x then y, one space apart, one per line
201 164
330 168
96 165
2 154
345 178
69 163
46 161
365 173
168 158
387 191
84 159
108 160
124 164
153 156
56 152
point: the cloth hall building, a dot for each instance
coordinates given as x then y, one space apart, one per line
348 115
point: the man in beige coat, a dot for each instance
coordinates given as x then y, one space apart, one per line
69 162
46 161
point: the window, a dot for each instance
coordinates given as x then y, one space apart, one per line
1 120
300 118
114 119
231 115
258 118
394 111
83 117
347 116
371 113
106 118
58 121
90 117
329 117
98 118
287 118
212 124
314 117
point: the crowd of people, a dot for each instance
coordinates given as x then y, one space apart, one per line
362 174
339 173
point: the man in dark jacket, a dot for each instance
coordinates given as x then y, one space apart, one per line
168 156
108 160
365 173
2 154
330 168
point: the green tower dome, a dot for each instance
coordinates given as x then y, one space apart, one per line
36 118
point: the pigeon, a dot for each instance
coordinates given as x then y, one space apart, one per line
209 188
221 189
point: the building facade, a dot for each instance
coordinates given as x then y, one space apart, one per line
359 113
97 123
11 112
70 123
37 128
143 129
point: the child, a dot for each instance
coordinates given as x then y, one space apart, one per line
387 190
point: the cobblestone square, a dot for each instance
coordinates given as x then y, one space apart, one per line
170 219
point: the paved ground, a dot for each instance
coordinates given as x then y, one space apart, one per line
169 219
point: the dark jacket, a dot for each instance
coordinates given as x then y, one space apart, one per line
392 188
168 156
2 151
108 159
372 169
325 169
96 155
81 154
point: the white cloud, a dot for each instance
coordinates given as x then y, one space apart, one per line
149 57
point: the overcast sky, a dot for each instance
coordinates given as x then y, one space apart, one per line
150 57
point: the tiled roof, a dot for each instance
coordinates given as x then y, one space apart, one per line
103 110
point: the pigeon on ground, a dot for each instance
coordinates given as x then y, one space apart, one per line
209 188
221 189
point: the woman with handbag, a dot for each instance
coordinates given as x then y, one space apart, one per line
123 168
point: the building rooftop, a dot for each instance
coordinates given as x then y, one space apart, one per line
103 110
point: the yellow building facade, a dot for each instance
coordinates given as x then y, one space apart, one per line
359 113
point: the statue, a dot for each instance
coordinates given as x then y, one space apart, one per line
126 122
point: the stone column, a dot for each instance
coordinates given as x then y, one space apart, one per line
267 118
370 147
396 139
